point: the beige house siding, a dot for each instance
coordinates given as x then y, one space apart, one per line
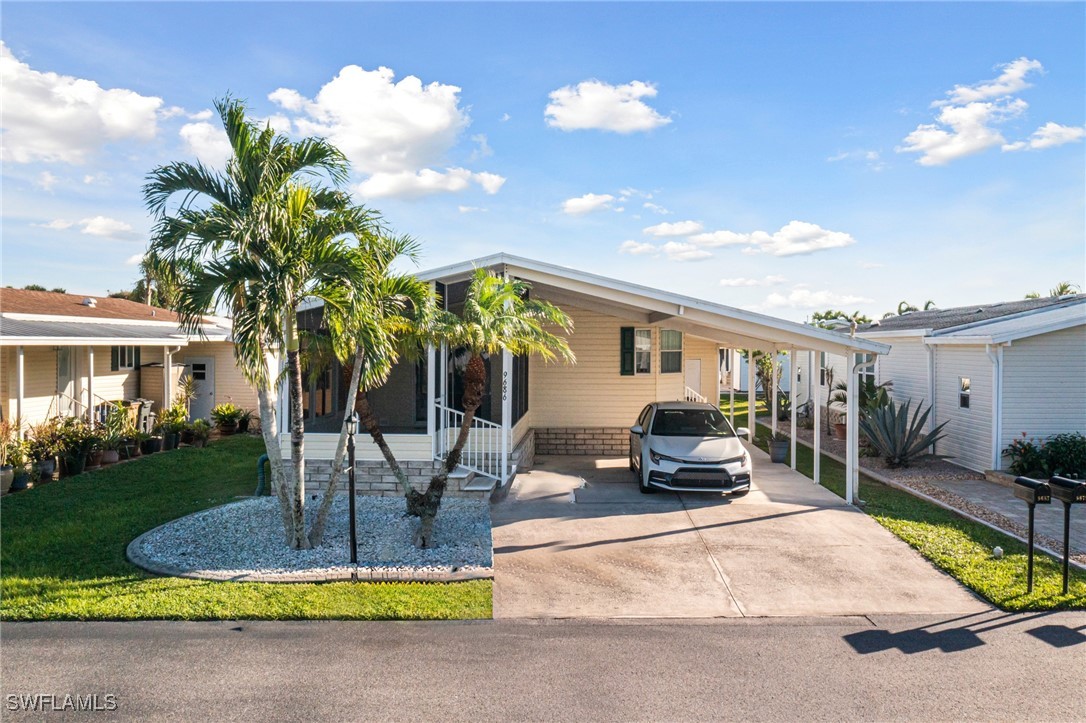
706 351
592 392
39 383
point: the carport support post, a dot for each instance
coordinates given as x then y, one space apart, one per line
733 374
20 391
852 408
507 412
752 417
431 397
816 408
90 385
771 393
792 385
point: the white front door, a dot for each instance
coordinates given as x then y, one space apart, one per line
693 374
202 371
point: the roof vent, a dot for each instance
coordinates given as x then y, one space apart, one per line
90 302
1066 297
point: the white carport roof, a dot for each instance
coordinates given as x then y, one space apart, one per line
727 325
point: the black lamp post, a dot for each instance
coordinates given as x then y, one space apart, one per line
352 428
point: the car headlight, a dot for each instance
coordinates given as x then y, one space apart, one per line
656 457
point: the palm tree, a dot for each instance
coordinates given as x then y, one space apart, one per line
1064 288
905 307
259 241
376 326
497 316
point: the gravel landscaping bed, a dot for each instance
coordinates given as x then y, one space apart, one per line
243 541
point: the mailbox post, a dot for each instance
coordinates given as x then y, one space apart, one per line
352 429
1069 492
1034 493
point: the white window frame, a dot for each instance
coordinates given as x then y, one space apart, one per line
126 358
680 351
642 353
965 393
821 368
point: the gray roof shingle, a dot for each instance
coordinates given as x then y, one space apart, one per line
937 319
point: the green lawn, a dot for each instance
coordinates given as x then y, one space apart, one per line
63 552
958 546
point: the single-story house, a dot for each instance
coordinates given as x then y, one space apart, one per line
633 344
66 354
993 371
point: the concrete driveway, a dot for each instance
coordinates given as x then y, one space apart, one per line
575 538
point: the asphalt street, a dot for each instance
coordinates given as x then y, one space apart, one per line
990 666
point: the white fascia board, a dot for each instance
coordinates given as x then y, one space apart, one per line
962 340
777 333
16 316
87 341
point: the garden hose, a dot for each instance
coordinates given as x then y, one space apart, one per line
260 491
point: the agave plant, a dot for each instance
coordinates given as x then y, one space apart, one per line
896 436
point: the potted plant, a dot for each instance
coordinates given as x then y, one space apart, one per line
245 419
111 449
149 443
43 442
226 417
201 432
19 459
7 440
94 452
778 447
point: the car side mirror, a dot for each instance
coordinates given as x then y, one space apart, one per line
742 432
636 429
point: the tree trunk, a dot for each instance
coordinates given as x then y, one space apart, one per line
269 429
316 532
369 420
297 438
425 505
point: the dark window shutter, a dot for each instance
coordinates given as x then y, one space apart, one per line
114 358
626 366
136 357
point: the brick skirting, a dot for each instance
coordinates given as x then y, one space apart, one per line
604 441
373 477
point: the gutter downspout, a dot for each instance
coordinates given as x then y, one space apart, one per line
932 419
167 385
996 357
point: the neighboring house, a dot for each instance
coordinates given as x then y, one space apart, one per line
993 371
633 344
65 354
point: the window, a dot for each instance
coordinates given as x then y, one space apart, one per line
671 351
643 351
635 353
963 392
867 376
822 368
124 357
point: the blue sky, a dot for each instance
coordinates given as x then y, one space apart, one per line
779 157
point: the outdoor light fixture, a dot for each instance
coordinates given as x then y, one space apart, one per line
352 429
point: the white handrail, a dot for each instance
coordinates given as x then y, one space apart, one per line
691 396
482 451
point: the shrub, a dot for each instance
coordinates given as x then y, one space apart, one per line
898 438
226 414
1065 455
1027 456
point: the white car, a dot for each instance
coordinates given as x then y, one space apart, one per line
688 447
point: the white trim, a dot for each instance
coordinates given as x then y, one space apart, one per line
739 321
903 333
95 341
20 316
20 387
997 403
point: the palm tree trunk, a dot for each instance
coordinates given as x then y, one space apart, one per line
425 505
369 420
316 532
298 539
269 429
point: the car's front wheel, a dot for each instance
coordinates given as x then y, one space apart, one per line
642 484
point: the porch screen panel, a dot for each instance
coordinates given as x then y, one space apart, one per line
519 388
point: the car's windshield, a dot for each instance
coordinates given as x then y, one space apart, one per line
691 423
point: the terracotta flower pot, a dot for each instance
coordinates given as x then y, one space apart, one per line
94 459
840 430
111 456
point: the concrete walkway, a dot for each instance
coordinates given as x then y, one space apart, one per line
575 538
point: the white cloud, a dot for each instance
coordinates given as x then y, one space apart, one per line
483 150
106 227
773 280
62 119
471 209
593 104
171 112
871 265
966 121
1012 80
800 298
205 114
872 159
961 131
57 224
655 208
208 142
636 248
682 251
504 118
679 228
96 178
1048 136
799 237
383 126
587 203
408 184
133 260
714 239
46 181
